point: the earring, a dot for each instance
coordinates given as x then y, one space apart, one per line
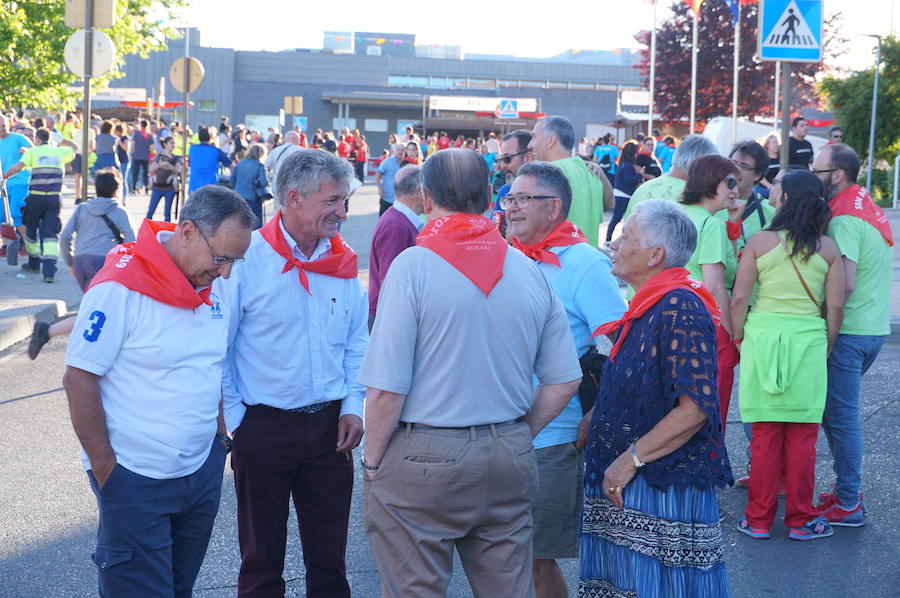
649 266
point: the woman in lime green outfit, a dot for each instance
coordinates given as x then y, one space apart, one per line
711 186
785 346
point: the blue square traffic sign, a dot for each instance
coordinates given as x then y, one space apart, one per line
790 30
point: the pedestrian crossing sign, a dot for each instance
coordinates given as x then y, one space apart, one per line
508 109
790 30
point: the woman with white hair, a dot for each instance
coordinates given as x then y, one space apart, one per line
655 450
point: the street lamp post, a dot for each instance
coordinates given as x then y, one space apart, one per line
874 114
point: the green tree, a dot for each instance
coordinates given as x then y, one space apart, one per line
32 37
850 98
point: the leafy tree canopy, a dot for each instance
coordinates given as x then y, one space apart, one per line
33 71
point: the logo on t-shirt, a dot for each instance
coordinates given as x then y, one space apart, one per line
215 310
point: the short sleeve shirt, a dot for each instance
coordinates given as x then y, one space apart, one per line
9 155
712 242
388 168
868 309
664 187
47 164
142 145
460 357
160 376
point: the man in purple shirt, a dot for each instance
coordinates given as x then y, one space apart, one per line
396 230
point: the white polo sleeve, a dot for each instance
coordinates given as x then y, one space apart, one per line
101 328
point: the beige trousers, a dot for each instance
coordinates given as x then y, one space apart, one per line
439 489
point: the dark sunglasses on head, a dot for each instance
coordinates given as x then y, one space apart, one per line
731 182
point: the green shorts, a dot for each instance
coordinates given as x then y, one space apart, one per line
557 509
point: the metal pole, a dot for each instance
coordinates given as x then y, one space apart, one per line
694 74
184 132
86 112
871 163
424 136
775 105
652 72
737 64
896 178
785 114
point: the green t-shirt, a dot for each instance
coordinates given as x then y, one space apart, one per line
664 187
751 224
868 309
586 211
712 244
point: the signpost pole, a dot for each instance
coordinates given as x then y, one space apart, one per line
694 73
737 64
652 73
871 159
86 112
184 133
777 94
785 114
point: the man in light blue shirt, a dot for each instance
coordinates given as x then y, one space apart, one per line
384 177
536 209
296 343
12 145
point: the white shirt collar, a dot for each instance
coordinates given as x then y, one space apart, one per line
322 247
410 214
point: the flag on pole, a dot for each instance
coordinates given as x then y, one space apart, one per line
694 5
735 7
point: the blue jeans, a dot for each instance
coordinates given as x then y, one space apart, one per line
153 534
155 196
123 188
851 357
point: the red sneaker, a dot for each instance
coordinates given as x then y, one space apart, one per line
837 515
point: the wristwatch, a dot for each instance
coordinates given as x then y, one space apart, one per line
362 461
227 440
634 457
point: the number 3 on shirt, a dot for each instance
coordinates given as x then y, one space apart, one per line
98 319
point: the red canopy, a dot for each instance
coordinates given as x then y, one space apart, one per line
164 106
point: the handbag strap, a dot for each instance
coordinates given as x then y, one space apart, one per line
799 275
114 229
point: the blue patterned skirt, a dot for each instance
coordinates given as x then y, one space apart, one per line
663 544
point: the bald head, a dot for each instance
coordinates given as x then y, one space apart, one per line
292 137
49 122
408 187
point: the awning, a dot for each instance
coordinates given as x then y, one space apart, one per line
165 106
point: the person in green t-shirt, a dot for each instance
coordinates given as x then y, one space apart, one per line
553 140
670 186
712 186
752 210
864 237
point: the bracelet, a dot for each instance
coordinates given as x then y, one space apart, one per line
634 457
227 440
362 461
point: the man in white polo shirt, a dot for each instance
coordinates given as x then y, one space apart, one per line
144 389
296 343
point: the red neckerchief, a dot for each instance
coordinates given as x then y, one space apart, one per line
563 235
471 244
855 201
341 263
410 161
650 294
144 266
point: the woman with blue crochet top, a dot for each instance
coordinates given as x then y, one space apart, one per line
656 451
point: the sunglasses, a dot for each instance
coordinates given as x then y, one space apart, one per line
837 136
509 158
731 182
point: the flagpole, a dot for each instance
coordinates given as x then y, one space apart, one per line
652 73
737 63
694 73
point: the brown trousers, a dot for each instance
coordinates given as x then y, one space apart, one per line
437 489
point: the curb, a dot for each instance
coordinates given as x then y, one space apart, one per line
17 323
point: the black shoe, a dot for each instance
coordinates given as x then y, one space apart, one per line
39 337
48 278
31 269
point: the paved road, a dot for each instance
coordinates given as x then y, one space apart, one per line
48 514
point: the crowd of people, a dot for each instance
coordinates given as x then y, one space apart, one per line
516 408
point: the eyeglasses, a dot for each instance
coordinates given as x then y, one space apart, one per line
824 171
520 199
731 182
217 259
837 136
744 166
509 158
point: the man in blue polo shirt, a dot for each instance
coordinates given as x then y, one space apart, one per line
12 146
384 177
204 160
537 208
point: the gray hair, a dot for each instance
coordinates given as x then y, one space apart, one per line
211 205
561 128
691 148
551 178
257 151
408 181
307 170
665 224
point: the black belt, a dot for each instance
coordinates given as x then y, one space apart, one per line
305 410
415 426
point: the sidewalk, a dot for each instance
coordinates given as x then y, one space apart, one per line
25 301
